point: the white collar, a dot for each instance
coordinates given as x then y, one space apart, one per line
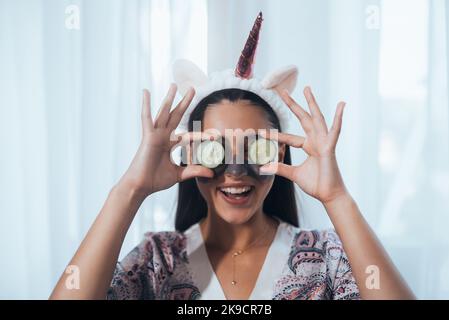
206 280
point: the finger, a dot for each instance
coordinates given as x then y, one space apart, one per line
315 111
189 152
186 155
338 120
178 112
147 121
290 139
280 169
193 171
300 113
164 111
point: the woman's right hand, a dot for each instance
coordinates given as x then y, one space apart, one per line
152 168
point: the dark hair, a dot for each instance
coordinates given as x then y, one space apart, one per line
280 201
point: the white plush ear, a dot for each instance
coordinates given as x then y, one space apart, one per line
283 78
187 74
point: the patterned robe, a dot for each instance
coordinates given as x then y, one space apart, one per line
300 264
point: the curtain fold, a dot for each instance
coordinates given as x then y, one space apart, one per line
387 60
70 121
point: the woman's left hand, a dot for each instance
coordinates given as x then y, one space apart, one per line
318 175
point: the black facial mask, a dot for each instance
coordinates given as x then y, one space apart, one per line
237 170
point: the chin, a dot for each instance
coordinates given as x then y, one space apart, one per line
236 216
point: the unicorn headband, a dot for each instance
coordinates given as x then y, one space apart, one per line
186 74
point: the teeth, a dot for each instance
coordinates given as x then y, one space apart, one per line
236 190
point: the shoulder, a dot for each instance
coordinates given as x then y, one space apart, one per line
158 250
326 239
146 267
316 246
323 252
170 241
311 238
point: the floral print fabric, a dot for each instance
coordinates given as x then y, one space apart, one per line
158 268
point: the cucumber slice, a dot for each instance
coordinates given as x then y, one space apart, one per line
263 151
210 154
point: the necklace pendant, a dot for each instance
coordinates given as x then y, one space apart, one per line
234 282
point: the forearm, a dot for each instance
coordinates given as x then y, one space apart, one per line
363 250
97 255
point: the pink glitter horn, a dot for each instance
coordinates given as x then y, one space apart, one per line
244 67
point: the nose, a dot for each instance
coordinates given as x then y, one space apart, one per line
235 149
237 167
236 170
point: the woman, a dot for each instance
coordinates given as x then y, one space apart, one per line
237 233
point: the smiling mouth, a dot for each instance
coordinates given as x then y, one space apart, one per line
236 195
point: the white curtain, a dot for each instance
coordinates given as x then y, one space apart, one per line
387 60
70 120
70 106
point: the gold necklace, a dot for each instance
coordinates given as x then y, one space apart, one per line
240 252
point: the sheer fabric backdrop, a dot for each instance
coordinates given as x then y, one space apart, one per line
70 107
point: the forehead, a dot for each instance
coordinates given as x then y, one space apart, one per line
234 116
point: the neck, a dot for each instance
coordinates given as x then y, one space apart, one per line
221 235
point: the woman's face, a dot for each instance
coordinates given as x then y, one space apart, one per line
228 204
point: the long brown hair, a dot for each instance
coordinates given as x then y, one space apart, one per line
280 201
